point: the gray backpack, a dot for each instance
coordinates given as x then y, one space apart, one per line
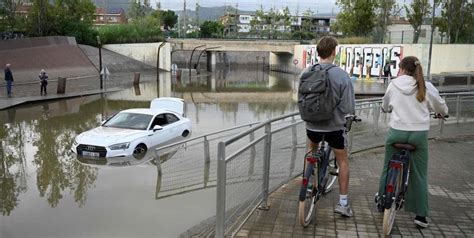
316 101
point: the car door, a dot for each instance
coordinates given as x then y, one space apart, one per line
163 136
173 126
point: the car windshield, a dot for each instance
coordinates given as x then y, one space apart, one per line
128 120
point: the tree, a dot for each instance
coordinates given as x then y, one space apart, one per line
9 19
306 23
211 29
137 10
418 10
357 17
257 23
64 17
386 9
457 21
168 18
285 18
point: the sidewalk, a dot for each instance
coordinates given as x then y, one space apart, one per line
75 87
451 194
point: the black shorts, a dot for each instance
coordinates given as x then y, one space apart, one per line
335 139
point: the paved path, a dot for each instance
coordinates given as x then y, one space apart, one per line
75 87
451 191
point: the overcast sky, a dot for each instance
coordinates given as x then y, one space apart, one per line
319 6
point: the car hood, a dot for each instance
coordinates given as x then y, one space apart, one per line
105 136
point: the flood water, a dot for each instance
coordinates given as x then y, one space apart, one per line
47 192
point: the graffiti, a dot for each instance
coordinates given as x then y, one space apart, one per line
361 60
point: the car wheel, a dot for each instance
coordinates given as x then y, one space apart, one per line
139 151
185 133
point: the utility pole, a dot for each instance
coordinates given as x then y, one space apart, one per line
184 19
428 72
198 7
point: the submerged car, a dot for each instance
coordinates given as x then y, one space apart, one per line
133 131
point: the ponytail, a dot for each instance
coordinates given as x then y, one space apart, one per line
412 67
420 82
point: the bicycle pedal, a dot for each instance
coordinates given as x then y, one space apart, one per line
333 171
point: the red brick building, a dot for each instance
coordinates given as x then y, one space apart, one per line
110 16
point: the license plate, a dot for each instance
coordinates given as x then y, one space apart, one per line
89 153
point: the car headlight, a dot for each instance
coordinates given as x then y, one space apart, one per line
120 146
75 143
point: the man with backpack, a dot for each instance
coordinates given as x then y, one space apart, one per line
325 97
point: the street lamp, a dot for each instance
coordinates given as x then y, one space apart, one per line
100 60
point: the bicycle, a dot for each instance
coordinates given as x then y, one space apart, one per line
396 184
314 186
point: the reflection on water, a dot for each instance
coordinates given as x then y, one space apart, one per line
37 168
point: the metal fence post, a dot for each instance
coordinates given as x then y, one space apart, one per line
266 166
293 132
207 155
221 187
458 108
252 155
207 161
376 116
159 175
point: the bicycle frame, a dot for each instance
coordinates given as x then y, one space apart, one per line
400 162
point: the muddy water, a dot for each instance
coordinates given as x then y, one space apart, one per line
47 192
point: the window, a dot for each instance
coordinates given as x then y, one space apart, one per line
159 120
126 120
171 118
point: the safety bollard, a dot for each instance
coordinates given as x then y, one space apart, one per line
61 86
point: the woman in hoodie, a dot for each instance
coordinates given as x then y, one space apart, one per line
410 99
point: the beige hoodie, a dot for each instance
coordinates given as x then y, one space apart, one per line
407 113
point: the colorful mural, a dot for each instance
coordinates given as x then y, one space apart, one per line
361 60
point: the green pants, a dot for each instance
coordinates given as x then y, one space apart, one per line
417 193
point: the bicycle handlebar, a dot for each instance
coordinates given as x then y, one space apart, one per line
353 118
349 120
439 116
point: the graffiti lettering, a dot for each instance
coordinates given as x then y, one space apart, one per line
361 60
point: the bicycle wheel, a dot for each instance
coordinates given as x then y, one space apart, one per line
390 211
307 196
331 171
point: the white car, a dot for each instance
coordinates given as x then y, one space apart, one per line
133 131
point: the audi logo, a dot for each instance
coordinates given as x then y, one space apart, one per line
90 147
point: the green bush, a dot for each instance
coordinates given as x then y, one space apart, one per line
140 31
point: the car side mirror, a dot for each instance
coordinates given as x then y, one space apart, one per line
103 122
157 128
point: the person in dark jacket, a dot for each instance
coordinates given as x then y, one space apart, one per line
387 72
43 77
9 79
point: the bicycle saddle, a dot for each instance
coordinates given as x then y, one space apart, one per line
402 146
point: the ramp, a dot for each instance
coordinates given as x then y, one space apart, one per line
58 55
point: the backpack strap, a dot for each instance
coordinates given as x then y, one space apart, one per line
327 69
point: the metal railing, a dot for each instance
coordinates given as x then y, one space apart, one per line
257 161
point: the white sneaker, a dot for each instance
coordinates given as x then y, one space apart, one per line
343 210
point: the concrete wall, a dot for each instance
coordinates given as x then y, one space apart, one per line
144 52
354 58
236 45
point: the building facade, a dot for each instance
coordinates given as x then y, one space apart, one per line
110 16
250 25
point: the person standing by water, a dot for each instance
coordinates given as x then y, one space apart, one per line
43 77
9 79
